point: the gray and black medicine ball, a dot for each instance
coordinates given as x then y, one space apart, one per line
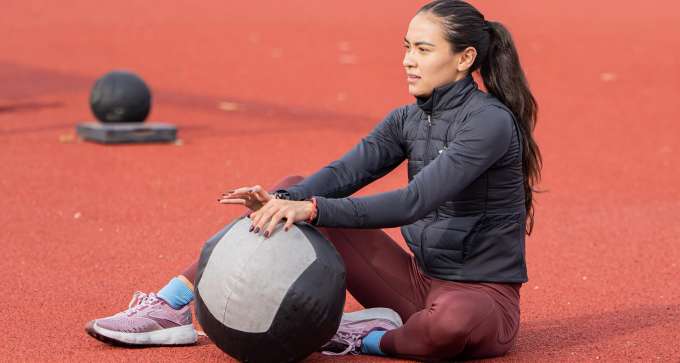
269 300
120 96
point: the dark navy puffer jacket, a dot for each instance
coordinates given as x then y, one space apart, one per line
462 212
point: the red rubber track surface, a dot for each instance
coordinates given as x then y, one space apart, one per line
265 89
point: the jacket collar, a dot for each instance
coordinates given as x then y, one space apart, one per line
447 96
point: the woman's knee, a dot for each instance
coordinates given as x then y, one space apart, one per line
444 335
464 341
452 321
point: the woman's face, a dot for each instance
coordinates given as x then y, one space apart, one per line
429 60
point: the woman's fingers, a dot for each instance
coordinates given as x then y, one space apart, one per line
237 195
271 214
240 197
264 219
240 190
276 218
290 219
261 194
259 216
253 218
232 201
268 217
255 197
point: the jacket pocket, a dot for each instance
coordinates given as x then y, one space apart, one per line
443 261
445 241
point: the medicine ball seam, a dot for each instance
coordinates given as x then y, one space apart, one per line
226 305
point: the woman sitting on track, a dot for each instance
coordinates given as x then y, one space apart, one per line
472 162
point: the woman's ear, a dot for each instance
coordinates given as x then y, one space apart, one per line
467 59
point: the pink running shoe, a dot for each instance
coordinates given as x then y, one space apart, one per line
356 325
148 321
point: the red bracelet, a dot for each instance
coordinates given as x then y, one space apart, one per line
315 211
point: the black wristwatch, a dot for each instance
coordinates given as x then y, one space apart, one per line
282 194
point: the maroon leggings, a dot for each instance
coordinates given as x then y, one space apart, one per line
443 319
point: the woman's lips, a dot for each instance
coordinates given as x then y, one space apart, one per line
412 78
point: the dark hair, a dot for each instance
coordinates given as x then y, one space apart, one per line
498 63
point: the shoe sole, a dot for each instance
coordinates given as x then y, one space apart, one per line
374 313
178 336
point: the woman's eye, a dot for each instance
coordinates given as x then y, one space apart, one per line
423 50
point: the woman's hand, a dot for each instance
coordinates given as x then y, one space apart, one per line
277 209
252 197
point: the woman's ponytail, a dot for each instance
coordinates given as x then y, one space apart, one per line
504 78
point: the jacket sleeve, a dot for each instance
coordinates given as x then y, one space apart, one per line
374 156
479 143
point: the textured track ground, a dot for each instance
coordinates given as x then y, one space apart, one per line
274 88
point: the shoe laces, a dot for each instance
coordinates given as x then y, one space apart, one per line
353 342
140 301
347 335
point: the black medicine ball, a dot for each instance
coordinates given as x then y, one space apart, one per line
269 300
120 96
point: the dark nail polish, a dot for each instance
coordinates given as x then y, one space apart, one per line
251 228
257 230
266 234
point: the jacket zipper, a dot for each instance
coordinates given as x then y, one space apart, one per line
436 211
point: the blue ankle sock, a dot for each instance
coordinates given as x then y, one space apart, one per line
370 344
176 293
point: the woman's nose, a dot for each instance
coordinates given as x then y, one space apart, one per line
408 61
